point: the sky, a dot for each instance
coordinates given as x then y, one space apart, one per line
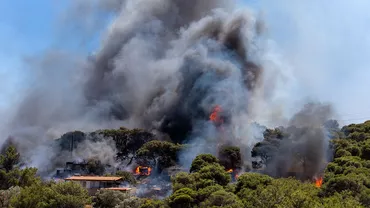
327 44
25 28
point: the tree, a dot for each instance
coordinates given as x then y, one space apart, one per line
69 194
277 133
109 198
334 168
10 175
203 160
158 153
132 202
95 167
70 140
128 141
35 195
288 193
215 173
153 203
221 198
230 157
343 183
252 181
183 180
56 195
344 200
332 125
365 152
183 198
127 176
205 193
10 159
7 195
265 150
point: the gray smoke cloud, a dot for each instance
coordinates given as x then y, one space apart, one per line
162 65
303 151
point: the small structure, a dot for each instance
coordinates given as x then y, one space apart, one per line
94 183
71 168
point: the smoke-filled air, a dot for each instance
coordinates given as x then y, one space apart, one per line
166 66
201 75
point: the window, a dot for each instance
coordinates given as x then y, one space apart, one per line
96 184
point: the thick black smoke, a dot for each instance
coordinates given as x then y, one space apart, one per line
163 65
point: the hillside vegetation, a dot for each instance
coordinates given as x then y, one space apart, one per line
346 179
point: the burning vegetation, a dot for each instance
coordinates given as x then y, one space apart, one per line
215 115
189 76
142 171
318 182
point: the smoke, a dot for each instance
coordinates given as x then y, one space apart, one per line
162 65
101 150
304 150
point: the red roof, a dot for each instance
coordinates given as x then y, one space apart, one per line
93 178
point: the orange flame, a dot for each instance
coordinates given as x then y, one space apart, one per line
215 114
139 170
318 182
230 171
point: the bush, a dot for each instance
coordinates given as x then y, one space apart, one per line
183 198
252 181
203 160
7 195
127 176
222 198
215 173
109 198
56 195
342 153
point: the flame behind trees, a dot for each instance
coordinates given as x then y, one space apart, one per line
215 115
140 170
318 182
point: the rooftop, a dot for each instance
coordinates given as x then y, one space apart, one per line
119 189
92 178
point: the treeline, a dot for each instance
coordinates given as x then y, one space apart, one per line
346 181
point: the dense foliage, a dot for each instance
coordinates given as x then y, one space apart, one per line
160 154
53 195
22 188
346 179
349 172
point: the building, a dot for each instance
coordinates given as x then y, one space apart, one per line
94 183
71 168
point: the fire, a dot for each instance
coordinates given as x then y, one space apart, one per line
140 170
234 174
215 117
137 170
318 182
